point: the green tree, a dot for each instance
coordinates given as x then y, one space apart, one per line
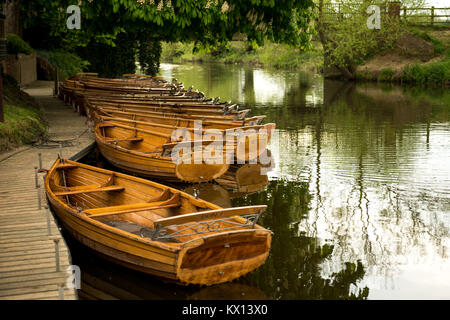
207 22
346 37
149 53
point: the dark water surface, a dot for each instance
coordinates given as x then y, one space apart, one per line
359 199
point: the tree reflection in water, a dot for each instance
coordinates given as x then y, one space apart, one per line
293 269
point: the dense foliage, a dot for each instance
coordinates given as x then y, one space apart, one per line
346 38
15 45
149 53
68 64
23 120
147 22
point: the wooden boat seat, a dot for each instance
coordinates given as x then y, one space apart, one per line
173 201
108 185
209 215
89 189
133 139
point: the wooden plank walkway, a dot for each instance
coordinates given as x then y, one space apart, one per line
27 251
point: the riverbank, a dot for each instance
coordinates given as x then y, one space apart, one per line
24 121
421 56
271 55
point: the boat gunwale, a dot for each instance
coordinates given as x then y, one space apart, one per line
175 247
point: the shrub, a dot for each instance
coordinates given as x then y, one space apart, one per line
67 63
413 73
16 45
364 76
433 73
386 75
24 122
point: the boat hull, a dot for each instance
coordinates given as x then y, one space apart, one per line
207 259
156 166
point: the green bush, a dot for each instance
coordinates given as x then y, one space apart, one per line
363 76
16 45
24 121
438 72
68 64
433 73
386 75
171 50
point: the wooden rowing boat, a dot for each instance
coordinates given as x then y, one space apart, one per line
148 153
156 229
130 85
241 115
164 101
74 91
227 112
124 82
254 138
78 97
175 121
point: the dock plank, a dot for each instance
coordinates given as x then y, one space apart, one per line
27 254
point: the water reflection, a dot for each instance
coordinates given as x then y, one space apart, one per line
293 270
102 280
359 198
375 159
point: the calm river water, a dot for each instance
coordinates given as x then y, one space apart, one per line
358 200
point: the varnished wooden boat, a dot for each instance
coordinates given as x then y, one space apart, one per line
77 86
71 91
229 112
124 82
168 98
78 96
130 85
186 122
254 138
156 229
148 153
240 115
243 144
165 101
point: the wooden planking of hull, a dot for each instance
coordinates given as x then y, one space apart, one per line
209 113
169 101
175 120
240 116
250 142
141 151
151 228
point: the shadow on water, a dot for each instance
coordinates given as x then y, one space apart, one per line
358 200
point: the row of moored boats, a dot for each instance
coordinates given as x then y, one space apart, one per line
156 129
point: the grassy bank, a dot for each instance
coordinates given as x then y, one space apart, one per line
435 71
24 122
271 55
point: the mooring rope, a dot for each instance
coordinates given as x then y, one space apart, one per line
56 143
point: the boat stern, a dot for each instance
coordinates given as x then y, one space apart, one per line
223 257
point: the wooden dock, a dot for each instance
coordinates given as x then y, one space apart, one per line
28 260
